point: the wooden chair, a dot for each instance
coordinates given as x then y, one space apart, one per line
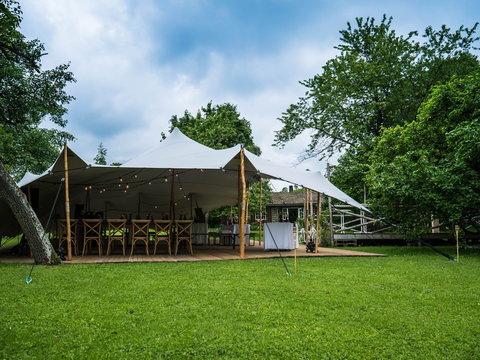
62 233
140 232
162 233
92 231
184 233
116 232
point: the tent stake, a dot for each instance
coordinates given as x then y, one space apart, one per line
67 208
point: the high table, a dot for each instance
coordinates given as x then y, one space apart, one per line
283 234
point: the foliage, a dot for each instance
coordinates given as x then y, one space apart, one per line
377 81
28 95
222 215
101 157
218 127
431 166
334 308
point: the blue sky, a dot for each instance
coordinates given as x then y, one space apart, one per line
137 63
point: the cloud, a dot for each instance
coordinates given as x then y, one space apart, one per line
140 62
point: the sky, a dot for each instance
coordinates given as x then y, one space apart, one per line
137 63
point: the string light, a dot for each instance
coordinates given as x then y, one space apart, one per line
166 180
86 188
135 176
156 206
149 183
119 185
121 179
181 188
125 190
90 187
127 186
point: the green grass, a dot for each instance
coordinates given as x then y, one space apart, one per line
413 304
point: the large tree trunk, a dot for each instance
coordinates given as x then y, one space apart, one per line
40 245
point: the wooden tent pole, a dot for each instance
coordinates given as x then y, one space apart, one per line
191 207
242 212
246 205
261 215
330 211
306 220
318 222
67 207
172 197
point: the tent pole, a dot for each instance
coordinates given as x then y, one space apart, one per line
261 215
332 238
138 208
191 206
242 212
306 220
172 197
318 222
67 208
246 206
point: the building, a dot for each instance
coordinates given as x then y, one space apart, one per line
288 206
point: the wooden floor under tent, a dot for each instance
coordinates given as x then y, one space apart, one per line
200 253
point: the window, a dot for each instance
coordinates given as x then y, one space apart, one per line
274 215
257 216
300 213
284 214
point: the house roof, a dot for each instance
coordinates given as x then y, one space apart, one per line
289 198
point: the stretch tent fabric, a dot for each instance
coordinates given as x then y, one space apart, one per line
199 176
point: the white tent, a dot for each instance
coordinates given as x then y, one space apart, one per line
202 177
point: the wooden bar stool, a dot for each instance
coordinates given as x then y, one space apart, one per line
92 231
116 232
184 233
140 232
162 233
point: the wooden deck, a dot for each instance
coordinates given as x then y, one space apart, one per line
200 253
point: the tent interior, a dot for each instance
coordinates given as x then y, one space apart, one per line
177 171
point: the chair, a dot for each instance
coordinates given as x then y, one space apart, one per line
140 232
184 233
92 231
116 232
62 232
162 233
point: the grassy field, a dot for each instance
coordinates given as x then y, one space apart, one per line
413 304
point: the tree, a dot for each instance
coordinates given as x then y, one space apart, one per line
101 157
378 81
431 166
28 96
218 127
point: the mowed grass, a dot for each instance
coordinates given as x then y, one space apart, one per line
413 304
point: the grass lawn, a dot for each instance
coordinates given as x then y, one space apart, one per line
413 304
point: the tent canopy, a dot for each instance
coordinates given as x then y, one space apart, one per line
201 177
